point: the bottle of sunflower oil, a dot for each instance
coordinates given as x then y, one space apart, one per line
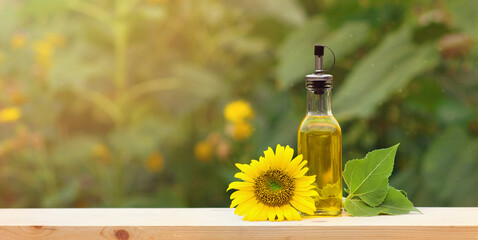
320 139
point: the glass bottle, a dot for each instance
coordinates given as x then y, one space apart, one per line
320 140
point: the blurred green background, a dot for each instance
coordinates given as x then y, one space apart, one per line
132 103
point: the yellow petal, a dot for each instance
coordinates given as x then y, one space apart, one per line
291 213
306 201
304 188
240 199
260 165
245 207
303 184
303 208
302 164
301 172
269 153
287 213
268 158
240 185
277 163
294 165
244 177
251 211
280 214
253 215
263 214
295 215
309 193
306 179
287 157
240 193
271 213
248 169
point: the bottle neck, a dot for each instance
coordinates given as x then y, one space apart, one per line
318 102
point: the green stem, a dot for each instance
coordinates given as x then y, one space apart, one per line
120 33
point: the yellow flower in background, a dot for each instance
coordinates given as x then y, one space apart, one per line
11 114
238 111
274 188
101 152
55 39
203 151
43 52
240 130
18 41
155 162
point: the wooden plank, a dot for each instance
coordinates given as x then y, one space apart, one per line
221 223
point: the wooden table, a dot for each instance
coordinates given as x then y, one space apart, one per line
221 223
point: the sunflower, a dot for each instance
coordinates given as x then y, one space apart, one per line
274 188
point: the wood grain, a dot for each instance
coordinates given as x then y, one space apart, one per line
221 223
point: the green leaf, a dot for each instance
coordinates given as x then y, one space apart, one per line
403 193
394 203
296 55
387 69
367 178
358 208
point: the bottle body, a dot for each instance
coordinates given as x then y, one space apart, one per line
320 143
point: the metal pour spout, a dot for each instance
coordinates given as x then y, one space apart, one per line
319 55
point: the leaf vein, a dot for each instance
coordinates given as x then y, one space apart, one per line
365 179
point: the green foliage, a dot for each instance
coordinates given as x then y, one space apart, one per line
448 171
388 68
368 189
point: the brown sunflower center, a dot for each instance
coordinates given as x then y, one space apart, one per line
274 188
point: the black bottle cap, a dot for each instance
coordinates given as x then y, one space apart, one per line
319 50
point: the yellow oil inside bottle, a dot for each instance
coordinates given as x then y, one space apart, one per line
320 143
